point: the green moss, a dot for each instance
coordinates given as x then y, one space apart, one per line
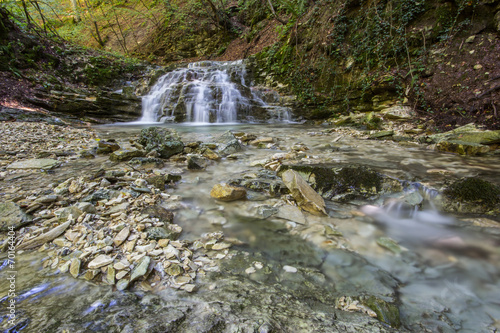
475 190
386 312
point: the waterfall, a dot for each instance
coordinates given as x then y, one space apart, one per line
208 92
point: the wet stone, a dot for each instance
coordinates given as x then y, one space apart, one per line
141 269
225 192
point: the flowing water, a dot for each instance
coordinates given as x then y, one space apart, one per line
443 274
209 92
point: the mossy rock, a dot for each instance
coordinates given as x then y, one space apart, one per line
474 190
340 182
165 141
386 312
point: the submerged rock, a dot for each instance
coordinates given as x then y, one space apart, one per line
228 144
303 193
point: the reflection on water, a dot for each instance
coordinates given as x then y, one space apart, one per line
443 273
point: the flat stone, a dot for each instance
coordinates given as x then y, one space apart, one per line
122 284
140 269
74 268
291 213
157 211
121 236
42 163
110 275
225 192
303 193
100 261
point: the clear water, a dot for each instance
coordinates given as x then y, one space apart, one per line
446 276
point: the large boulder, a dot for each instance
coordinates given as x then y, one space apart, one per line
465 140
344 182
164 140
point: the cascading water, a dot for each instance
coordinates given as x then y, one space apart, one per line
208 92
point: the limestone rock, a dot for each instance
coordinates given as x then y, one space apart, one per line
303 193
462 147
100 261
140 269
124 155
398 112
121 236
228 144
225 192
42 163
196 162
74 268
11 215
291 213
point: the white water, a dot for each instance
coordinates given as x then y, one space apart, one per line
207 92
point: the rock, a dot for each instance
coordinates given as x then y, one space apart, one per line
157 181
157 211
344 182
225 192
265 211
472 195
462 147
304 194
86 207
74 268
165 141
290 269
398 112
146 161
12 216
381 134
121 236
43 163
291 213
45 238
110 275
468 133
210 154
228 144
122 284
140 269
126 155
63 213
389 244
158 233
174 270
196 162
106 147
100 261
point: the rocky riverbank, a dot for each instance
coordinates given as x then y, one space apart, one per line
108 210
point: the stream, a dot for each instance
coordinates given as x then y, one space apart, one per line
392 262
292 277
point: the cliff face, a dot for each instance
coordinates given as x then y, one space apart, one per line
441 58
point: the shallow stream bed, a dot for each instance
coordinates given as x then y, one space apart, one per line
322 274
